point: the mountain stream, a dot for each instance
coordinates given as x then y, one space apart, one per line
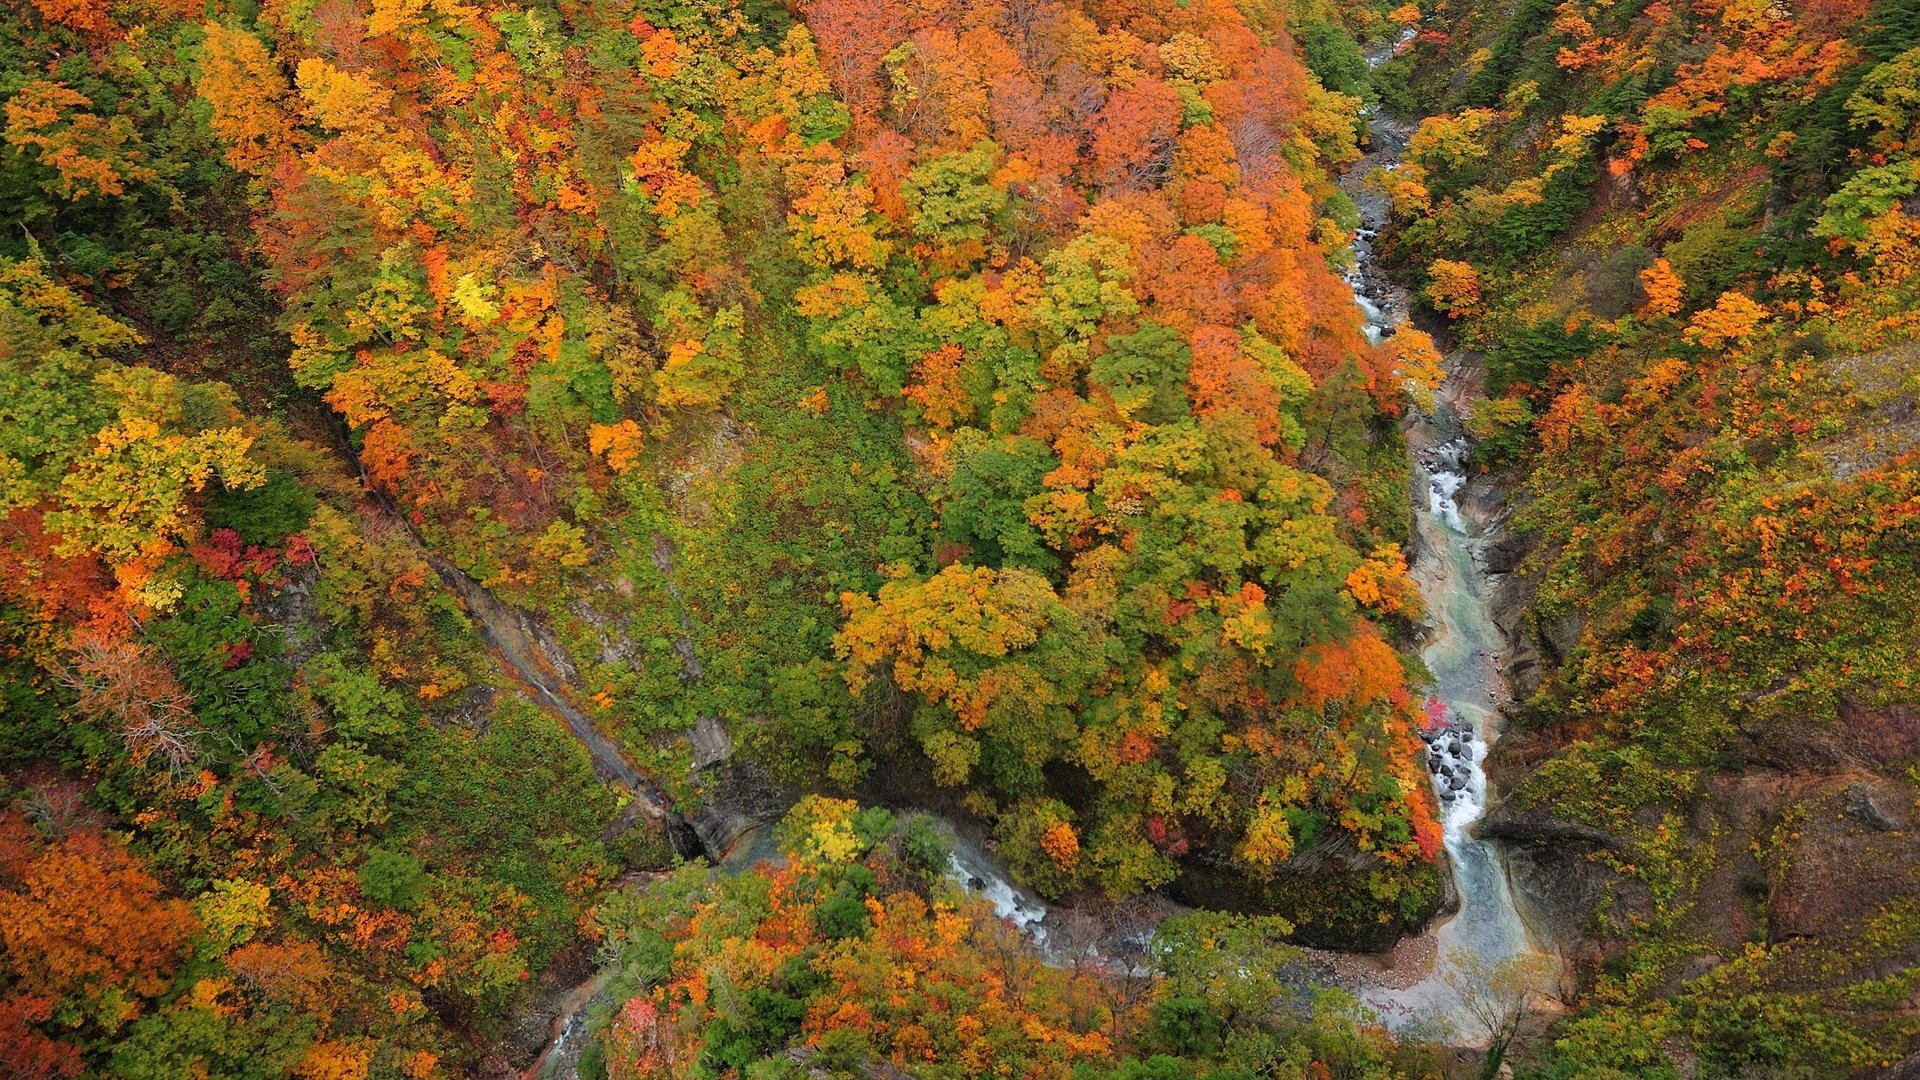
1462 651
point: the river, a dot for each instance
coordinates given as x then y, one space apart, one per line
1463 651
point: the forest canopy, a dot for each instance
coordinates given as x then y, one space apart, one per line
418 414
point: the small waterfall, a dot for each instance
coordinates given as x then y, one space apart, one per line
981 875
1462 653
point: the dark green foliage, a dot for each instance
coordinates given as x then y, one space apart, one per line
1527 227
165 251
264 515
872 825
1499 428
821 502
1510 53
1158 1067
766 1021
1146 371
267 1047
224 662
1186 1026
1307 825
808 720
1392 84
1712 256
536 777
1528 353
984 507
1333 55
925 849
1613 287
1890 28
31 727
843 913
644 845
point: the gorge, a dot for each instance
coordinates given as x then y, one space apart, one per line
1463 649
1071 539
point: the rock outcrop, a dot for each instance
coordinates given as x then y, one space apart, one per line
1329 892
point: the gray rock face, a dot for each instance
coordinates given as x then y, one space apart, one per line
1526 666
1880 739
734 799
1506 822
1906 1069
1317 890
1849 856
691 670
1504 553
1863 806
711 743
1562 635
1557 889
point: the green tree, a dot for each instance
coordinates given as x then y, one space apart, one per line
953 198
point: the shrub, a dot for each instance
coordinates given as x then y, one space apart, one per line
392 878
1332 54
1614 287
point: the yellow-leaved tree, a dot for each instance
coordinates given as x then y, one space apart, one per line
127 500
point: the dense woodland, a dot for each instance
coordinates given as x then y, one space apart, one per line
952 402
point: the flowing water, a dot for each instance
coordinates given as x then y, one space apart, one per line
1462 652
985 877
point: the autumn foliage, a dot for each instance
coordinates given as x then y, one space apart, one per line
963 394
1690 229
858 954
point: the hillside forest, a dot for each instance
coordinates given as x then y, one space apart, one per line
567 515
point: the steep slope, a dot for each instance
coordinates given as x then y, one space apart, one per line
1030 384
1679 236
